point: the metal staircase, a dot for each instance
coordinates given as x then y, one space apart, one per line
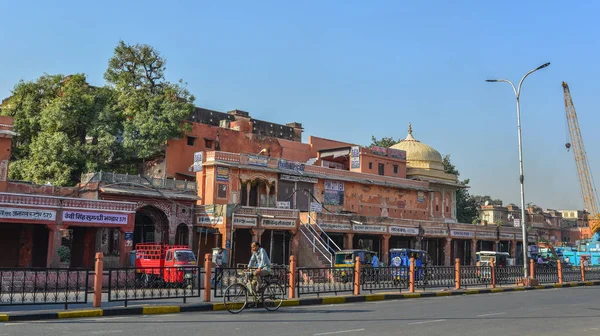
323 247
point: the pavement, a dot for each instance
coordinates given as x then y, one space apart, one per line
551 312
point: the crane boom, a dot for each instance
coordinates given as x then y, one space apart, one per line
581 161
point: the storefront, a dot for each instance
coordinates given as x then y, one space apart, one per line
207 233
333 231
402 237
368 237
433 242
462 246
486 240
506 241
276 238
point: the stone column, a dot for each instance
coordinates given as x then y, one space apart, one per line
473 251
268 187
431 196
257 234
294 243
124 249
248 186
54 242
443 203
25 246
495 247
513 249
385 248
448 252
418 243
348 237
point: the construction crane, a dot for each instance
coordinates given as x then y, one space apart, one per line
583 167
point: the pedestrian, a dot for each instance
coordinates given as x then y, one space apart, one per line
219 264
375 265
540 260
567 260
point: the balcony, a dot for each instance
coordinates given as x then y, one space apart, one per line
140 180
64 202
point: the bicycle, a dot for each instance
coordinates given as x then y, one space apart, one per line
270 293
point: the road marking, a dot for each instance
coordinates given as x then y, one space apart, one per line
491 314
108 318
12 324
544 308
339 332
423 322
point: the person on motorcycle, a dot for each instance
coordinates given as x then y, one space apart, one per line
261 262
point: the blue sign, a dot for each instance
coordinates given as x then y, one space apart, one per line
128 235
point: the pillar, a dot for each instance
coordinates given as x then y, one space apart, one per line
385 248
294 243
431 195
513 249
348 238
54 242
448 252
25 246
268 187
248 186
125 247
495 247
418 243
443 203
256 234
473 251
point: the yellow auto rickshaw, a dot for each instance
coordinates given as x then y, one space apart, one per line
344 262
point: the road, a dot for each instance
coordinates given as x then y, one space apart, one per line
569 311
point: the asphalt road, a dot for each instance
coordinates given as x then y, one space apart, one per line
569 311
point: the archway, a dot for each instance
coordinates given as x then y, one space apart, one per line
182 235
151 226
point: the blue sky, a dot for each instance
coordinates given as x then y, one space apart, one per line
351 69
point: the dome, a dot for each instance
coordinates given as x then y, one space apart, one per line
418 154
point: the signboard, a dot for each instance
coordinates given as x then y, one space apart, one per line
519 237
355 157
379 150
255 160
517 222
209 220
128 239
316 207
420 196
290 165
292 178
462 234
396 153
403 230
244 221
283 204
198 158
29 214
489 235
223 174
369 228
287 223
436 232
335 226
93 217
334 192
507 236
334 185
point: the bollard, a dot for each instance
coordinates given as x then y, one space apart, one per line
493 273
582 268
531 269
292 291
207 274
411 276
98 280
560 272
357 276
457 274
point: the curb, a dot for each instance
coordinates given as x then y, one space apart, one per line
211 306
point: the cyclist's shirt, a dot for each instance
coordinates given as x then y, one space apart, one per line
260 260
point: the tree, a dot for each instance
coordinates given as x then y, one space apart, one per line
383 142
154 109
466 207
480 200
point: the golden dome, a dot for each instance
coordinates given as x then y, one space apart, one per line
418 154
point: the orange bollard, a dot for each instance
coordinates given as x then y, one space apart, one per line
292 291
357 276
98 280
411 276
582 268
493 273
457 274
532 268
207 274
560 272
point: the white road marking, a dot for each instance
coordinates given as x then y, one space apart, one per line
12 324
545 308
423 322
339 332
107 318
491 314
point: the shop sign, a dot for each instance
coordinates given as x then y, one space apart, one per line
244 221
490 235
287 223
255 160
211 220
292 178
129 239
283 204
397 153
377 150
355 157
316 207
29 214
436 232
369 228
291 165
519 237
198 158
223 174
93 217
403 230
462 234
334 185
335 226
507 236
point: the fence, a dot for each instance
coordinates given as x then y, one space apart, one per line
389 278
223 277
325 280
31 286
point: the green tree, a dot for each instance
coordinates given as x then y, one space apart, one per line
480 200
466 207
383 142
154 109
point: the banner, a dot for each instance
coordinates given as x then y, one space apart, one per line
379 150
29 214
255 160
223 174
291 165
397 153
283 204
94 217
292 178
198 158
355 157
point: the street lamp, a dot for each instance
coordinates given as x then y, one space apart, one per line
517 92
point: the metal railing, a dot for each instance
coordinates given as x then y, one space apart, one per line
159 183
151 283
475 276
592 273
508 275
384 278
31 286
331 245
546 273
324 280
434 277
316 243
571 273
226 276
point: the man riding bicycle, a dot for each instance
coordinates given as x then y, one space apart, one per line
261 262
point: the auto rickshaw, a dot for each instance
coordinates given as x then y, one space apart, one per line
400 257
484 258
344 262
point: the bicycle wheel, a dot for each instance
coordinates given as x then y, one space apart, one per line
235 298
272 296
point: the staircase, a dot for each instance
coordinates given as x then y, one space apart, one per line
317 249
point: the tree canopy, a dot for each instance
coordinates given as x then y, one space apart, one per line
466 206
383 142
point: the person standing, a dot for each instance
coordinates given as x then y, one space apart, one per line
219 264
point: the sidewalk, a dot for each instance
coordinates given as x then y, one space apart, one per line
47 312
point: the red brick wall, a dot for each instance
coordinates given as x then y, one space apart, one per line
375 160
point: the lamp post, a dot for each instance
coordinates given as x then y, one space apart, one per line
517 92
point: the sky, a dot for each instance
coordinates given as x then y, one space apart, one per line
348 70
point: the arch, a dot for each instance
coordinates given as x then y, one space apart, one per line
182 235
151 225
